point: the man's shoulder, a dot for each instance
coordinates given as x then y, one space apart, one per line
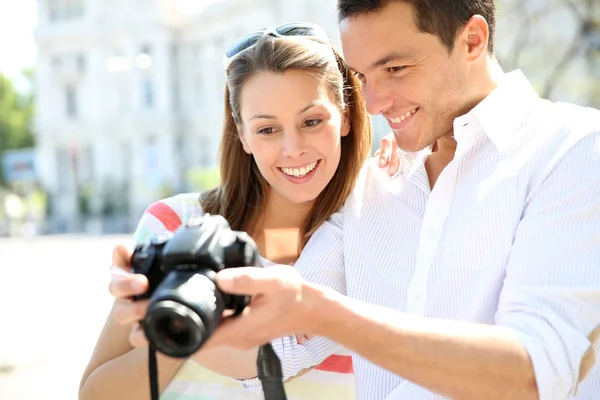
564 125
564 120
560 134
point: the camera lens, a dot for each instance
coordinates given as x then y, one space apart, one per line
183 312
174 329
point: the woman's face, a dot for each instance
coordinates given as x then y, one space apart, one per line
293 127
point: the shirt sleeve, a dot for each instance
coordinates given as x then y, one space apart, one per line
551 293
321 262
165 216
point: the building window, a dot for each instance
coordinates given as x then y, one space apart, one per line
71 102
148 93
64 10
80 63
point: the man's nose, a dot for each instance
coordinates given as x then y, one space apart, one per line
377 98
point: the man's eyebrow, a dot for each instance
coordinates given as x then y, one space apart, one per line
391 56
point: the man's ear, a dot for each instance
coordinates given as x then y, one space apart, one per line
346 124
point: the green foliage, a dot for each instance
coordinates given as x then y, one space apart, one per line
201 179
16 113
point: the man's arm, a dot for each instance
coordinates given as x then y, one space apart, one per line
548 316
549 310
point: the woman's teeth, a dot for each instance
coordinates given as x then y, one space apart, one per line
300 172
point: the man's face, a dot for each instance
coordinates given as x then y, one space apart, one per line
408 76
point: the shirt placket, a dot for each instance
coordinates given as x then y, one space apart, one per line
434 218
436 212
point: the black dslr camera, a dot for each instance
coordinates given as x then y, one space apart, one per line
185 303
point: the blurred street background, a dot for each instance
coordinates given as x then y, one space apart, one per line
107 106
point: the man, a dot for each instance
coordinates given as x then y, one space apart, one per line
503 299
474 272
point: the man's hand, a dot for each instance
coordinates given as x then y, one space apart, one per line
388 154
282 305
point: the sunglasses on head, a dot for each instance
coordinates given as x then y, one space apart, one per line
297 29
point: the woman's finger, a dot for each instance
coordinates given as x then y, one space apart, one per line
129 312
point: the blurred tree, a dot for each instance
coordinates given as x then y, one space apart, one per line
558 41
201 179
16 113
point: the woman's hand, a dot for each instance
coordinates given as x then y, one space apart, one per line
123 286
301 338
388 154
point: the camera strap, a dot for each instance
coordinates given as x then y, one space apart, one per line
153 372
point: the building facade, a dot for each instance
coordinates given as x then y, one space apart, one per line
130 92
130 96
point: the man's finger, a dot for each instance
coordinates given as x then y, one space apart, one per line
253 281
251 323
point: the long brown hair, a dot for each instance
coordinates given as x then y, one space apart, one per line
242 194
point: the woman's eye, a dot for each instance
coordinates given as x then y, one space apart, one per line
266 131
312 122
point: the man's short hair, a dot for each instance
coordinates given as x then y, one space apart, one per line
443 18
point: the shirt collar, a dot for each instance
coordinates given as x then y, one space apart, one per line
503 111
499 116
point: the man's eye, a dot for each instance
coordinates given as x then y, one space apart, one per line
396 69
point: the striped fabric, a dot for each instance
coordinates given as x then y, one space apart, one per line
510 235
332 379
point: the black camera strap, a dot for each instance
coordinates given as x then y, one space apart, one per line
153 372
270 373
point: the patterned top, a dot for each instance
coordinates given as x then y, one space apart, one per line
333 379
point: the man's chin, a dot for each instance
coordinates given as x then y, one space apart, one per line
409 145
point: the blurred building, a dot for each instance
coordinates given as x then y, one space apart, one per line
130 95
130 92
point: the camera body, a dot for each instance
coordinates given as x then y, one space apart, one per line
185 304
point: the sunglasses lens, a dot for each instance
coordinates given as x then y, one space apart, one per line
243 43
296 30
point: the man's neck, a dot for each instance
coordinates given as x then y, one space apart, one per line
444 148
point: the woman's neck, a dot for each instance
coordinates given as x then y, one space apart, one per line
278 230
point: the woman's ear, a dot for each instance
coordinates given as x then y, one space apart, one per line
346 124
242 138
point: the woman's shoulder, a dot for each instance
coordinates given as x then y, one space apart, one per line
166 215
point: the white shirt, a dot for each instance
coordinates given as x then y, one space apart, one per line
509 235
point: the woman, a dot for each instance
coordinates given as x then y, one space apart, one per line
296 134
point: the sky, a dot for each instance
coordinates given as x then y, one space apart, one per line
17 47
